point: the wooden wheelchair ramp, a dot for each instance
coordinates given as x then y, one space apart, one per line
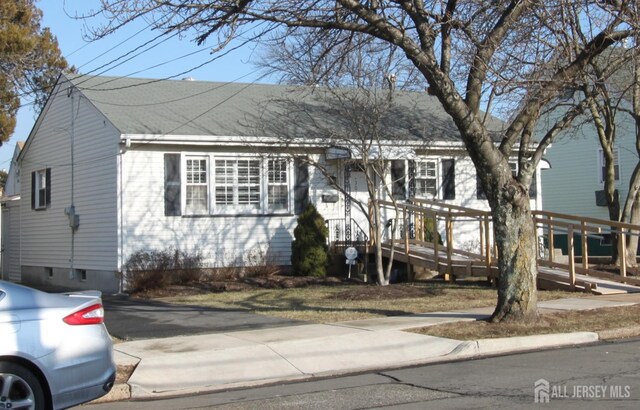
441 255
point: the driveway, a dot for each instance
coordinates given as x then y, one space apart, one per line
132 319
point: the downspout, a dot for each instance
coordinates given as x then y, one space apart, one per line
120 205
72 208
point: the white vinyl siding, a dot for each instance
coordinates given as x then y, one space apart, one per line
46 236
223 239
11 240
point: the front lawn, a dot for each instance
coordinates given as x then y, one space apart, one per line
337 301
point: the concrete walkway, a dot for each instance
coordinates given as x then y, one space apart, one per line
187 364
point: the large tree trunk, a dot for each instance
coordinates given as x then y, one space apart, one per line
632 241
515 238
631 214
632 206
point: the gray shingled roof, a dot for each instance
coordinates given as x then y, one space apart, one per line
185 107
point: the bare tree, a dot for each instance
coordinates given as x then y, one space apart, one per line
351 103
471 53
363 125
610 94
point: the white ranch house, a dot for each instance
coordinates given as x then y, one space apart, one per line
116 165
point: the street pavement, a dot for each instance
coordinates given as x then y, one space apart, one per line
595 376
187 364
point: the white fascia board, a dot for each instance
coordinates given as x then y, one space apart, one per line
268 141
212 139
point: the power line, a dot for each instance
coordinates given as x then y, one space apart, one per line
180 98
93 160
87 74
216 57
114 47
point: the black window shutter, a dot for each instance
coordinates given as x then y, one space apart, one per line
533 189
301 188
47 195
33 190
480 194
398 178
172 185
448 179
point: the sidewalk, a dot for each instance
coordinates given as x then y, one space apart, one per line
187 364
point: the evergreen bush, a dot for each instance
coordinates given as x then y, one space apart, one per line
309 251
430 232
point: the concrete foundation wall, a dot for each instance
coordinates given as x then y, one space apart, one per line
51 278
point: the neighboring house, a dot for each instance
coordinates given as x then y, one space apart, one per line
10 220
116 165
574 182
12 186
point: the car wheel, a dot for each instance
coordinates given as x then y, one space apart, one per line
19 388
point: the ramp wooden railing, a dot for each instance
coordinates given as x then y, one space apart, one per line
419 224
434 226
581 229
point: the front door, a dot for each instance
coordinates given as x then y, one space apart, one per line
360 201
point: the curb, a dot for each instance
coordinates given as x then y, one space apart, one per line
464 350
125 366
119 392
619 333
489 347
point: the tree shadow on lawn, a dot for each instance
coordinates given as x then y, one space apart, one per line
256 304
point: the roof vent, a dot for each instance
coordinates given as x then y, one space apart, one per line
188 79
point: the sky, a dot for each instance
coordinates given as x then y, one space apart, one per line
97 57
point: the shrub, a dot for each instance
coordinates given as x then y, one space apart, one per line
430 231
152 269
309 252
260 263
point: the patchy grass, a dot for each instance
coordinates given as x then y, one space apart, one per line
352 301
596 320
124 372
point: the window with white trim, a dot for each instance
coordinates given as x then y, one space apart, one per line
213 184
197 188
277 184
616 165
237 185
41 189
427 179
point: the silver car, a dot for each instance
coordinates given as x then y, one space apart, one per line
55 351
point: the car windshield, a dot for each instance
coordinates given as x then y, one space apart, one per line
2 295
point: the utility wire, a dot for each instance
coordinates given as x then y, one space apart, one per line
216 57
180 98
93 160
